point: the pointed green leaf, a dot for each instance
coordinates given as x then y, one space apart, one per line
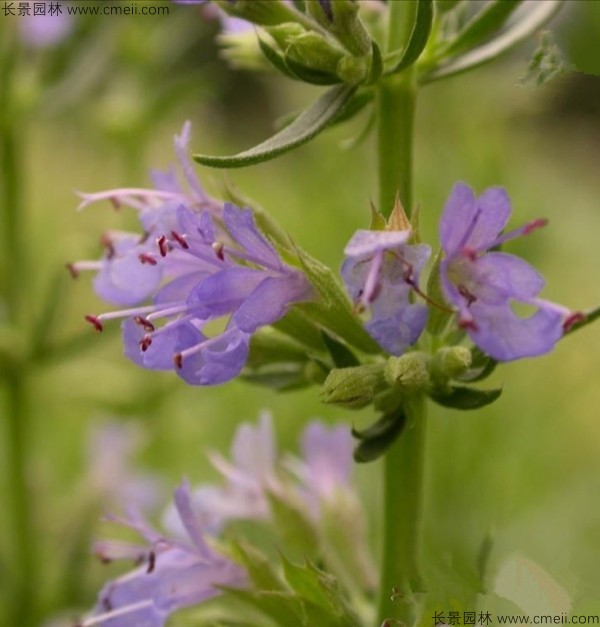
465 398
275 58
481 368
481 26
418 36
355 105
306 126
301 328
378 438
259 568
521 30
380 428
294 528
341 355
305 582
376 69
279 377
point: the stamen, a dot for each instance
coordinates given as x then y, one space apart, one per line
151 562
178 360
147 258
73 271
470 229
107 243
468 324
127 609
95 321
145 343
528 228
575 318
163 245
218 248
78 266
464 292
148 326
114 201
533 226
469 253
180 239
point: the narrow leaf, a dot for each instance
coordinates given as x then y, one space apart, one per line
341 355
484 24
537 15
376 64
275 58
418 37
306 126
377 439
482 366
465 398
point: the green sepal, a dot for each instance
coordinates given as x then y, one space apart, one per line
259 568
352 388
409 372
536 17
481 368
438 316
279 377
483 25
376 69
333 311
377 439
418 36
268 346
547 62
311 75
341 355
275 58
301 328
307 125
457 397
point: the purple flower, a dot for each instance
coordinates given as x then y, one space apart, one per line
199 264
249 477
380 271
45 30
482 285
175 574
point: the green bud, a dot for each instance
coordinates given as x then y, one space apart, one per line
353 388
352 70
263 12
450 362
315 52
340 17
409 372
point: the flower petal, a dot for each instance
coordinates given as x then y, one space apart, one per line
366 243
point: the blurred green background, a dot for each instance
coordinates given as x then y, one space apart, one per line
525 470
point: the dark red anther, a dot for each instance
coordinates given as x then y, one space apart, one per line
464 292
575 318
115 202
94 320
151 562
532 226
469 253
143 322
468 324
107 605
72 270
218 248
163 245
180 239
108 245
147 258
178 360
145 343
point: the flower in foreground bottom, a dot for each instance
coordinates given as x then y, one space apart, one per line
175 574
482 285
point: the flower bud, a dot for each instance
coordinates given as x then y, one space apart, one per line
450 362
263 12
408 372
353 388
340 17
352 70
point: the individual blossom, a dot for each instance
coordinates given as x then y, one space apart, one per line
199 265
249 476
381 271
482 283
174 573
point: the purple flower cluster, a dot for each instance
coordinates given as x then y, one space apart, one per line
199 263
182 570
381 271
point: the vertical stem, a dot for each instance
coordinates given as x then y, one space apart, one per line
23 580
404 463
404 467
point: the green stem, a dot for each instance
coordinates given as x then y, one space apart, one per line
404 467
404 463
23 580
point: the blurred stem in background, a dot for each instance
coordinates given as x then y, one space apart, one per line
22 580
405 462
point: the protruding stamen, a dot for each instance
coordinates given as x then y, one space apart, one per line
468 296
163 245
95 321
466 323
143 322
151 562
147 258
534 225
218 248
180 239
469 253
115 202
575 318
178 360
145 343
73 271
107 244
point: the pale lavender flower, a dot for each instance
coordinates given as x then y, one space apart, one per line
46 30
175 574
250 476
380 271
197 267
482 285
